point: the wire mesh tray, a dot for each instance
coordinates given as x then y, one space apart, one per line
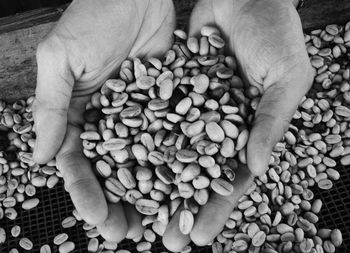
44 222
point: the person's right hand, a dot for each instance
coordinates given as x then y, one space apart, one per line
84 49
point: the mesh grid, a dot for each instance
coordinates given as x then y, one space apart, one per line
44 222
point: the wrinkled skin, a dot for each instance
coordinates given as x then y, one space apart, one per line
85 48
88 45
267 39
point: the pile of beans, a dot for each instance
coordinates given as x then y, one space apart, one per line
20 177
170 132
278 213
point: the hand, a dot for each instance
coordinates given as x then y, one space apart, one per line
267 39
85 48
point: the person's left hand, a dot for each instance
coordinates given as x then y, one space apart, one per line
267 39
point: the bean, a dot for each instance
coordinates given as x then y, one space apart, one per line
186 190
336 237
240 245
132 195
345 160
156 158
242 139
2 235
193 45
103 168
90 135
180 34
214 132
115 186
200 182
195 128
11 213
69 222
216 41
186 156
114 144
145 82
217 247
117 85
15 231
214 171
183 106
201 196
39 181
190 172
221 186
66 247
206 161
165 174
30 203
230 129
227 148
328 246
126 178
149 235
9 202
200 83
186 222
25 243
92 233
325 184
259 239
203 46
147 206
45 249
60 238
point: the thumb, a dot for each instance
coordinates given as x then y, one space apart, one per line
275 110
202 14
53 93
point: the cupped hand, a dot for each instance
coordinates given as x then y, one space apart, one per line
84 49
267 40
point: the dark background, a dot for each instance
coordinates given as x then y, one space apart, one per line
11 7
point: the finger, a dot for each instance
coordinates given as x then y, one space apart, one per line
173 239
115 227
275 110
83 187
53 93
161 35
202 14
134 221
295 2
212 217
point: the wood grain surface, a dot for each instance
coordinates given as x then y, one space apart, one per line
20 35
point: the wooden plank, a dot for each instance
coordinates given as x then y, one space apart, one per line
30 19
319 13
17 61
20 34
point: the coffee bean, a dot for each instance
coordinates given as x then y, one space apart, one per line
186 222
25 243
